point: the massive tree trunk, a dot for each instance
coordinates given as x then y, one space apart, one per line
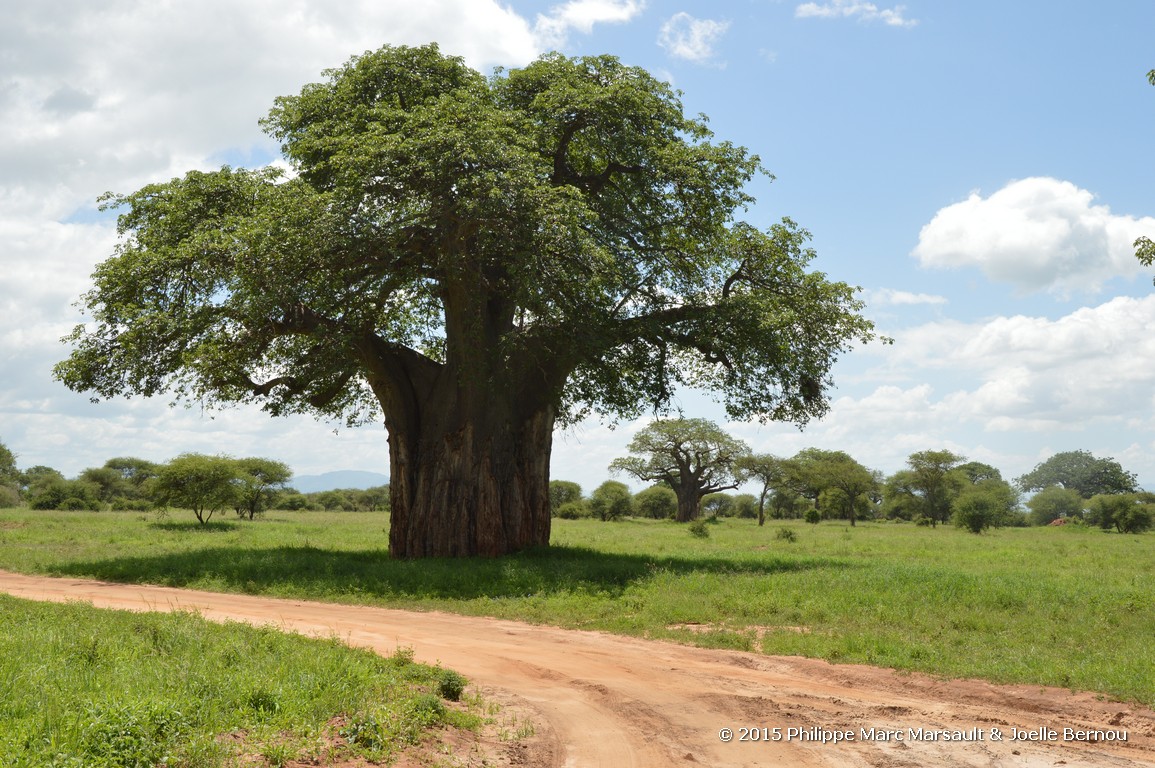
469 459
689 502
470 487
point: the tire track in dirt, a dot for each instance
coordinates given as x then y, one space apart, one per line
604 700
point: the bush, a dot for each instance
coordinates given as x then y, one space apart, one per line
699 529
657 503
786 534
562 492
10 497
574 510
1125 512
611 500
812 516
745 506
450 684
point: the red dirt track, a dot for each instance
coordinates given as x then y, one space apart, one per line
601 700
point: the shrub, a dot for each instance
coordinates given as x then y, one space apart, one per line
812 516
656 502
10 497
698 529
786 534
611 500
574 510
450 684
563 492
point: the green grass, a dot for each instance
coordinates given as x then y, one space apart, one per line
90 688
1069 607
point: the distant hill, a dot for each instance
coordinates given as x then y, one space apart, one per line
345 478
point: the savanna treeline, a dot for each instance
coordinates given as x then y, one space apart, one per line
204 484
692 462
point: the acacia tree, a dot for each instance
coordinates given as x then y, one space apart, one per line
471 259
257 483
838 471
768 471
694 457
934 479
204 484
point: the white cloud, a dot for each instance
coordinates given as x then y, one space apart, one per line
1095 366
686 37
103 96
846 9
889 296
552 29
1037 233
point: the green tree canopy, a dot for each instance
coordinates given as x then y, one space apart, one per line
657 502
612 500
470 259
257 482
1080 471
768 471
934 480
847 485
694 457
1054 502
204 484
563 492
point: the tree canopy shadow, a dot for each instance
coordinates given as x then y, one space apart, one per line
192 526
305 571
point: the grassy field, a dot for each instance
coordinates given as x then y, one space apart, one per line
88 688
1071 607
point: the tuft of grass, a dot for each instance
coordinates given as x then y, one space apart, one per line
1072 607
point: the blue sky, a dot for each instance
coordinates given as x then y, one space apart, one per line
980 169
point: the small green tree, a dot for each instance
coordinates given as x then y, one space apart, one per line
933 479
717 505
257 483
1054 502
657 502
982 505
769 472
1125 512
745 506
562 492
611 501
202 483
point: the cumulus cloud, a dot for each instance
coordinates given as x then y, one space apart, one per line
1094 365
99 96
553 28
891 297
853 9
1038 234
686 37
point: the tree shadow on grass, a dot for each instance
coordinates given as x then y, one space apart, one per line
192 526
303 571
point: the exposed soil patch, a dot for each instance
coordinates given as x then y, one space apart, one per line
594 699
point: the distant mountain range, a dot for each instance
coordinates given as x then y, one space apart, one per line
345 478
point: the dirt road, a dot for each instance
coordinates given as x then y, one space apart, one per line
601 700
